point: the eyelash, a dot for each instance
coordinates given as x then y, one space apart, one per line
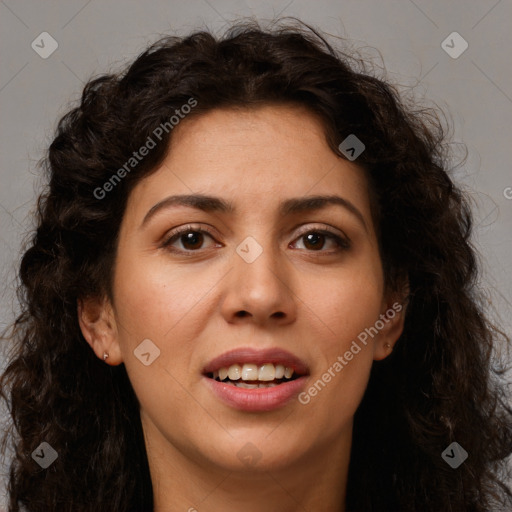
341 242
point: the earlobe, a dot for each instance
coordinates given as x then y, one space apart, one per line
97 323
392 318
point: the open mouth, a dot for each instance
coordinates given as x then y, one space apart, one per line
252 376
242 378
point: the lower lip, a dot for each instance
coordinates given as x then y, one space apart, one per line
258 399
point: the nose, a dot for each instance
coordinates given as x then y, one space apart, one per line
260 291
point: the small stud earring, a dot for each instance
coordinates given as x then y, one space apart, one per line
105 356
387 346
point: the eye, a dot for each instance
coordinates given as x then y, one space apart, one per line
190 237
315 240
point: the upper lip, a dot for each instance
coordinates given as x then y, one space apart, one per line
258 357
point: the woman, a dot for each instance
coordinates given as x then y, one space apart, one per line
251 286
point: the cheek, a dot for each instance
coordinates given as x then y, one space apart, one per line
169 306
154 299
348 309
342 367
348 301
160 303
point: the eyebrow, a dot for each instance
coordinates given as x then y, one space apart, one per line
287 207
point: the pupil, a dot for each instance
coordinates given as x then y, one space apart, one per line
313 239
192 238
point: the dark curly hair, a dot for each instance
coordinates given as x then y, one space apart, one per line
441 384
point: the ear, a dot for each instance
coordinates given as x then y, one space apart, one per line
391 320
98 326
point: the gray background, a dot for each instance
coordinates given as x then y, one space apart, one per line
94 37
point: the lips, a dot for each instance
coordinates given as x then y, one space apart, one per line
243 356
248 395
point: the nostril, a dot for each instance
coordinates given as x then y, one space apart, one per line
241 314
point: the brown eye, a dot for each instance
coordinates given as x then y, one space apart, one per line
190 240
316 240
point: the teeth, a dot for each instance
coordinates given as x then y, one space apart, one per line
267 372
250 372
245 385
234 372
252 386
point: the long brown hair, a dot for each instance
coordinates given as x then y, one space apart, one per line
440 384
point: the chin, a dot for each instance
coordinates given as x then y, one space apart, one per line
258 453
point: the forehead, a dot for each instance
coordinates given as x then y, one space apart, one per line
270 152
278 118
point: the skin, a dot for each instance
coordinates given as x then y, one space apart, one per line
189 307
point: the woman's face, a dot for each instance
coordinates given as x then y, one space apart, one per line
264 277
